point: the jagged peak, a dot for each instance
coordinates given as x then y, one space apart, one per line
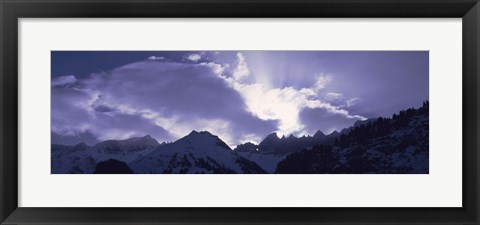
200 135
319 134
247 144
109 145
146 138
365 121
246 147
206 132
273 135
335 132
196 137
149 138
194 132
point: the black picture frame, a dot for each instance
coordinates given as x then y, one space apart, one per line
12 10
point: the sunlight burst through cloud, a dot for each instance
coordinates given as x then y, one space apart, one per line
283 104
240 96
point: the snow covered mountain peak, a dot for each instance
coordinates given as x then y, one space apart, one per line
273 137
202 139
82 158
247 147
204 133
198 152
381 145
139 143
146 138
110 146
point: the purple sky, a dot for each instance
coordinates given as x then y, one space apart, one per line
238 95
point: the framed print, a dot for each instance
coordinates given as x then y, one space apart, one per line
310 112
241 133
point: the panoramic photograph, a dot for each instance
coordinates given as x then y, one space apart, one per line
239 112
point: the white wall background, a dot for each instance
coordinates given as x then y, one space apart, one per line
441 188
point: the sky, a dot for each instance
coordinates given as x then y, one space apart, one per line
241 96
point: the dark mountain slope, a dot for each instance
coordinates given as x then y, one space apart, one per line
112 166
386 145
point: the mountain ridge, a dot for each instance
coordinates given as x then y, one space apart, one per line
204 152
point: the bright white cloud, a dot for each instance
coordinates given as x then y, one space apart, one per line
153 58
279 103
322 82
284 104
333 96
253 138
241 71
352 102
194 57
216 68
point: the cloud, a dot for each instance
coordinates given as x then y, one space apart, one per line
241 71
77 116
68 110
321 119
74 138
164 99
64 80
216 68
285 104
333 96
194 57
168 99
351 102
322 81
340 100
119 125
153 58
